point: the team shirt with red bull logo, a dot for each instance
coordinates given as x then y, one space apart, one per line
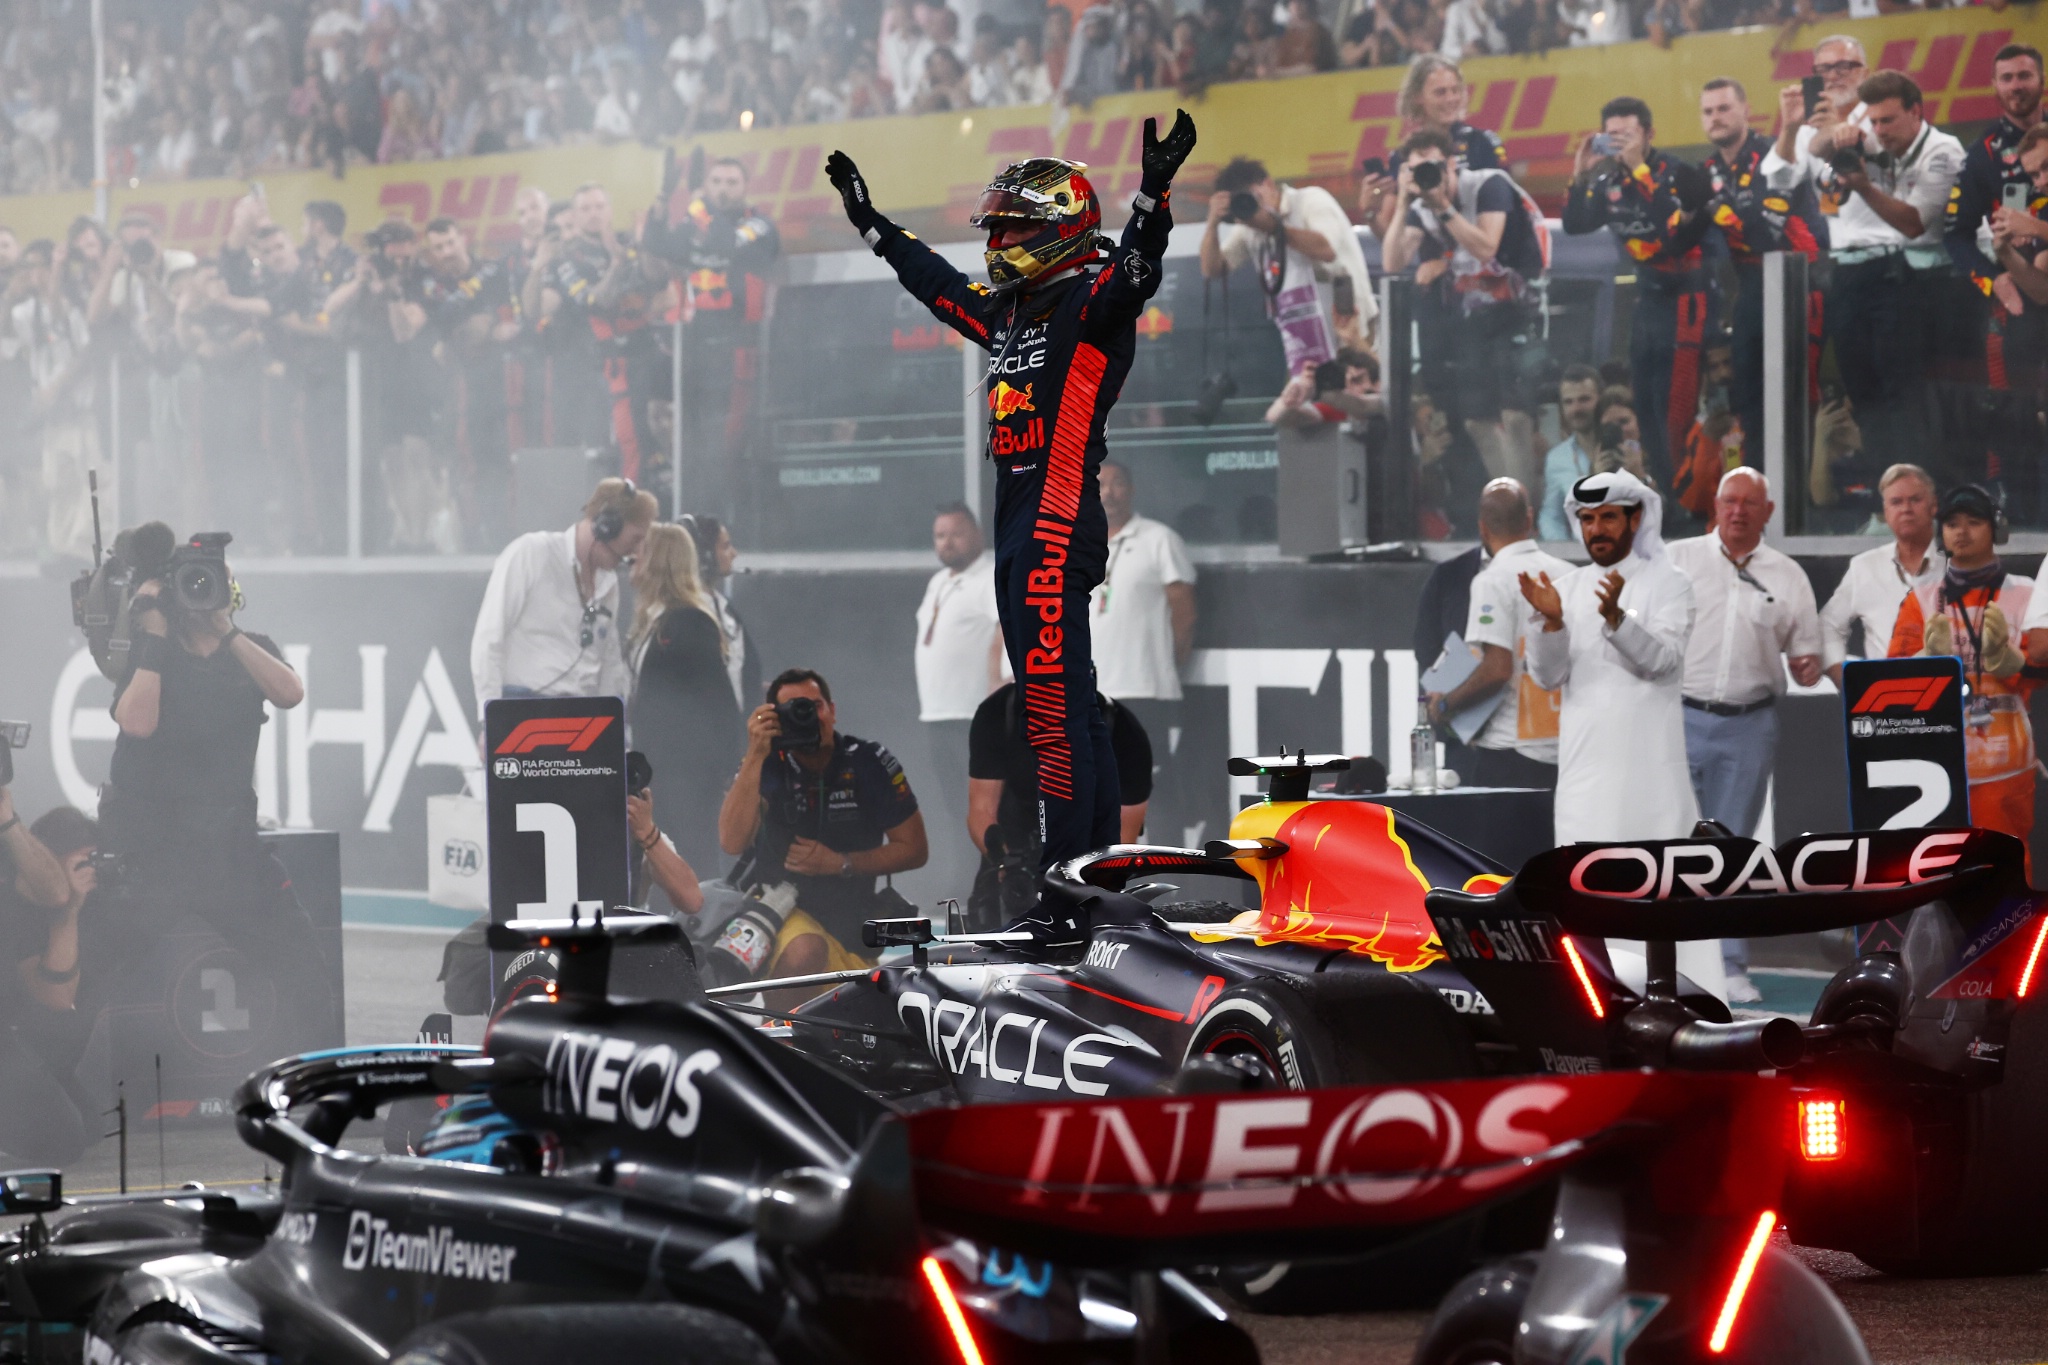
1990 163
1754 218
1641 209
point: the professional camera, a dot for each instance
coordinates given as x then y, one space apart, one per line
198 576
798 721
1847 160
141 253
1427 175
639 773
13 735
1244 206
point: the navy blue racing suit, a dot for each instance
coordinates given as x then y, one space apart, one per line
1060 353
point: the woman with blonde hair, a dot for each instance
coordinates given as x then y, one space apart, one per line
684 716
1432 97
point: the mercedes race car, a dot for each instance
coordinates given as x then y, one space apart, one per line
1376 951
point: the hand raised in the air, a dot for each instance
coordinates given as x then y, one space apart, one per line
853 190
1163 156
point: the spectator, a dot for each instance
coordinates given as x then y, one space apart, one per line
1340 390
1753 221
1613 636
1878 580
1517 747
474 315
1256 51
1618 433
1090 65
826 819
1992 162
1304 46
716 555
1469 31
1753 621
50 332
684 716
1144 631
541 632
1056 41
1890 173
1649 202
1578 399
1300 235
958 658
944 85
1146 62
1030 79
1973 612
1473 237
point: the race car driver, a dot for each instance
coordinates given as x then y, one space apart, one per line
1059 316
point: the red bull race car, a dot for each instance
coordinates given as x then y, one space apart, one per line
1368 949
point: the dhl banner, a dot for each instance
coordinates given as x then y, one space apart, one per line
926 170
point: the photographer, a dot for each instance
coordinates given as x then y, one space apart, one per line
1309 263
41 891
826 813
1473 238
1650 202
1891 172
1002 800
179 809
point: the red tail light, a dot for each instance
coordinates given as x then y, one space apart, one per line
2033 958
1823 1129
950 1309
1571 953
1738 1288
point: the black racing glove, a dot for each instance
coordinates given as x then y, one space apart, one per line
1162 156
853 193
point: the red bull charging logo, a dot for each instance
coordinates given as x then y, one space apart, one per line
1005 402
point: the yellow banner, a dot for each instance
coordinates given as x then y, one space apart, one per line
927 170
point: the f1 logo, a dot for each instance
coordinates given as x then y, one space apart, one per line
574 733
1919 694
356 1254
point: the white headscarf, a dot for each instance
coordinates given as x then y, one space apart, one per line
1618 487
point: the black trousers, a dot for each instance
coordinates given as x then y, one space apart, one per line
1507 768
1873 320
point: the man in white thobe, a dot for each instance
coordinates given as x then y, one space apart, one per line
1612 635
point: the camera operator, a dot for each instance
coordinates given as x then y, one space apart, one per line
179 809
826 813
41 891
1890 171
1650 202
1310 266
1002 800
1472 236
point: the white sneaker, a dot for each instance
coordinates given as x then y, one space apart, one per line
1743 991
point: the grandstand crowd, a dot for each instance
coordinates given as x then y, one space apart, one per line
243 87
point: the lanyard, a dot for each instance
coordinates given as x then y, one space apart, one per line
1972 632
946 589
1117 545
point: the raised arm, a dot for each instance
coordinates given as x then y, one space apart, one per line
953 299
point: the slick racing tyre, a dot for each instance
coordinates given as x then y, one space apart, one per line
1293 1033
1477 1321
617 1334
1991 1218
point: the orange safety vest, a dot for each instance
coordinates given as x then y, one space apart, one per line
1998 737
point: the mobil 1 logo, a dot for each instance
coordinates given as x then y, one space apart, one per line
1905 740
555 805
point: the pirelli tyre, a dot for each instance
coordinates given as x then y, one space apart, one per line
1477 1321
1336 1029
617 1334
1990 1215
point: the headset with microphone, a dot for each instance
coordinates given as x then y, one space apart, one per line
610 522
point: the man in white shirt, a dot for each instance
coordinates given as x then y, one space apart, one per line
549 623
1877 581
1753 615
1143 632
959 658
1517 747
1316 245
1884 174
1612 635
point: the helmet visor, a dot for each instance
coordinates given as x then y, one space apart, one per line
999 202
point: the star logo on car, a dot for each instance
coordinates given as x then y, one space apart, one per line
741 1253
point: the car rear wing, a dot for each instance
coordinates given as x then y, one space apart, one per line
342 1085
1234 1177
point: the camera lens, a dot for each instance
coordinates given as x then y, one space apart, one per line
1427 174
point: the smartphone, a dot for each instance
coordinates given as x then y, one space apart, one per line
1373 167
1811 88
1603 145
2015 195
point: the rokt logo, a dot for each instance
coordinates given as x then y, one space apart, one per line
1919 694
574 733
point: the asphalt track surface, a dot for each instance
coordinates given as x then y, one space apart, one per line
391 987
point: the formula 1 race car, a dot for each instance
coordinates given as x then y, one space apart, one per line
1375 955
696 1195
